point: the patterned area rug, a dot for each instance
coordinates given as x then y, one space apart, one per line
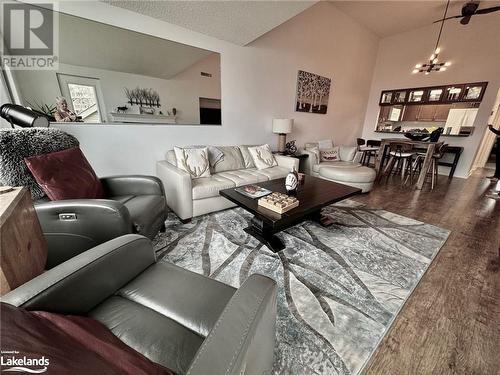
340 287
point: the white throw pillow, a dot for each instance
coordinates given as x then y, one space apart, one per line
262 157
193 160
215 155
326 144
330 155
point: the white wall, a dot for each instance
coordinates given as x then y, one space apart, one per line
474 51
181 91
257 83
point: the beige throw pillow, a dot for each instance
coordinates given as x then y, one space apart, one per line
193 160
330 155
262 156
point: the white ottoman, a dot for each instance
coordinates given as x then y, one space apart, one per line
360 177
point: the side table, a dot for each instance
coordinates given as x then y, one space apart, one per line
23 248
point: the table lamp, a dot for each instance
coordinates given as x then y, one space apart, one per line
282 126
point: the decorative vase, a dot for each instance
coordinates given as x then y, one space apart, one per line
291 181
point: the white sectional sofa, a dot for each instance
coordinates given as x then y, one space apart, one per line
189 197
346 171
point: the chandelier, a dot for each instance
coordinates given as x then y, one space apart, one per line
434 65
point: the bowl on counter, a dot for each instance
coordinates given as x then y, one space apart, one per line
416 136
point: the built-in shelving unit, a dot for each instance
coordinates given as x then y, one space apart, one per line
447 94
420 109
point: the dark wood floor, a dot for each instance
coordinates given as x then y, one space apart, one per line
451 323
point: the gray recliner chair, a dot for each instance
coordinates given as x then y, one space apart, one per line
133 204
182 320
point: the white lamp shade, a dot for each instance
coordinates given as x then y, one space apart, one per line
282 125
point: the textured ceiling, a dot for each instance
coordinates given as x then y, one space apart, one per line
96 45
387 18
239 22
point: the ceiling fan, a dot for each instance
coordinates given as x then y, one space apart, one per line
470 9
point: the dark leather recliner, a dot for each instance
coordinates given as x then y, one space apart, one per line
187 322
133 204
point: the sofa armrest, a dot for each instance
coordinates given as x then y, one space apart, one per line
287 162
178 188
242 340
132 185
90 223
81 283
311 161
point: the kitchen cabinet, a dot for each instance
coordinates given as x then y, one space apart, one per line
459 120
386 97
441 112
426 112
411 113
455 93
416 96
384 113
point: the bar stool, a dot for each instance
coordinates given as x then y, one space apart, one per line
401 155
368 151
371 150
419 160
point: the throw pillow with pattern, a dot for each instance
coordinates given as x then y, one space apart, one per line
193 160
262 157
330 154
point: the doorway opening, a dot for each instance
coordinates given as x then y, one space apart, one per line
487 151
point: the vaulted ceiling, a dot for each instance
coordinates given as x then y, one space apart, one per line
387 18
239 22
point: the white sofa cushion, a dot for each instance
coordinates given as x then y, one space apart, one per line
347 153
247 158
243 176
273 172
336 164
193 160
231 160
209 186
360 174
262 156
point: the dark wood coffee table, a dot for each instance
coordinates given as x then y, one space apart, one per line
313 195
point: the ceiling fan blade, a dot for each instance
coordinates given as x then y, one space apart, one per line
470 8
465 20
488 10
447 18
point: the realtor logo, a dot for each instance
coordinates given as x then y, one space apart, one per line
11 361
29 36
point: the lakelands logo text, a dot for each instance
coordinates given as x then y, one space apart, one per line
30 36
12 361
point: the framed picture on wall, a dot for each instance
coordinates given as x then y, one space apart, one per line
313 92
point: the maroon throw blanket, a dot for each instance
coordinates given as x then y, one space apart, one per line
42 342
